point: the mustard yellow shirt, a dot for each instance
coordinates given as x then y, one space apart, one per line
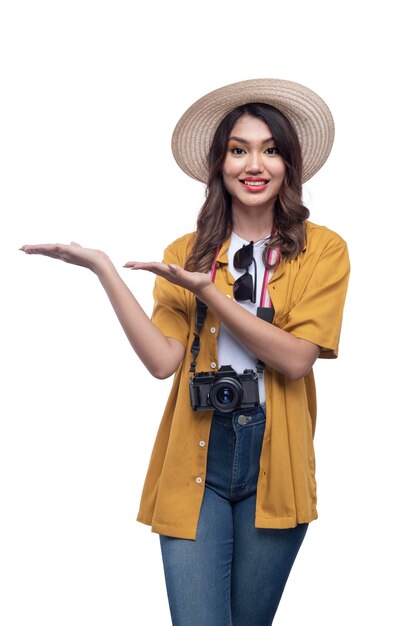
308 295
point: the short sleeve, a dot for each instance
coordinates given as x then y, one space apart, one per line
170 313
318 314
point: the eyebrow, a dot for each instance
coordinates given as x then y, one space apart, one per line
240 139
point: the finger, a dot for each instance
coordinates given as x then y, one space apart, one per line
177 270
53 250
27 248
39 248
134 265
150 266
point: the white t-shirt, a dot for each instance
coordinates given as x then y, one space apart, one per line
230 351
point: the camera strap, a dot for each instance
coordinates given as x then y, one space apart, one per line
201 310
265 311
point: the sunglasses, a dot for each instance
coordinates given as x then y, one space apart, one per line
244 287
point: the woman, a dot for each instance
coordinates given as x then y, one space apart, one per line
243 308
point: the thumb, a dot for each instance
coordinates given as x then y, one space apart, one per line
174 268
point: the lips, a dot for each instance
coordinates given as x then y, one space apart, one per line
254 184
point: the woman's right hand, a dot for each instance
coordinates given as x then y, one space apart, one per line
73 253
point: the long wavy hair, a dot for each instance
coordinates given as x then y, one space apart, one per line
214 222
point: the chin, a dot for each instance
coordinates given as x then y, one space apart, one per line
254 201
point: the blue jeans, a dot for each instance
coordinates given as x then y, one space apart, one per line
233 574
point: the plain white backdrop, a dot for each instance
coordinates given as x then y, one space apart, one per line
90 94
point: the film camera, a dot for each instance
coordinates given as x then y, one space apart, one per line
224 390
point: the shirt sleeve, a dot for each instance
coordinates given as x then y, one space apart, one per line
170 313
318 314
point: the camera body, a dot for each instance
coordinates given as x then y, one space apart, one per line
224 390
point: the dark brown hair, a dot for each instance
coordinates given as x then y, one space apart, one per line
214 222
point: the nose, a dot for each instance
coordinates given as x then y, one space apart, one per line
254 163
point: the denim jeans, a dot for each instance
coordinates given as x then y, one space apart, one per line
233 574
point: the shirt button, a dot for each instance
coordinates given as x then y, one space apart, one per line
201 444
198 480
213 329
213 365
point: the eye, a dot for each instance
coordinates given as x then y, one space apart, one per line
237 150
272 150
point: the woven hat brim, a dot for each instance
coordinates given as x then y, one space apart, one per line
308 113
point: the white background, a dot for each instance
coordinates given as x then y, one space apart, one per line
91 92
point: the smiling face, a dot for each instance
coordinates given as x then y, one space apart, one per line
253 171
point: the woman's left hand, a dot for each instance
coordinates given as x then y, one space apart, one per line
196 282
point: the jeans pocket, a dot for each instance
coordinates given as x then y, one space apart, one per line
256 446
247 458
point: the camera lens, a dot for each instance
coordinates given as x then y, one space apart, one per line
226 394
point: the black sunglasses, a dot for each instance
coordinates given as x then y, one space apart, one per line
244 287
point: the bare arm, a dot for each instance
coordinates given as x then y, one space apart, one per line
161 355
279 349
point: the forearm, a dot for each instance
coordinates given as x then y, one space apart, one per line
149 343
275 347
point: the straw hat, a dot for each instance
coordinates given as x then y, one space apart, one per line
308 113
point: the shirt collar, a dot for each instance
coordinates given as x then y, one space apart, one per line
223 252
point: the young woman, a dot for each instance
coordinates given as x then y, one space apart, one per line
243 308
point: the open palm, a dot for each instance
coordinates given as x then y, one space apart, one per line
195 282
70 253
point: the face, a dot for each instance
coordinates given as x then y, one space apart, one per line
253 171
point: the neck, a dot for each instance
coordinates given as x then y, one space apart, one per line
252 223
